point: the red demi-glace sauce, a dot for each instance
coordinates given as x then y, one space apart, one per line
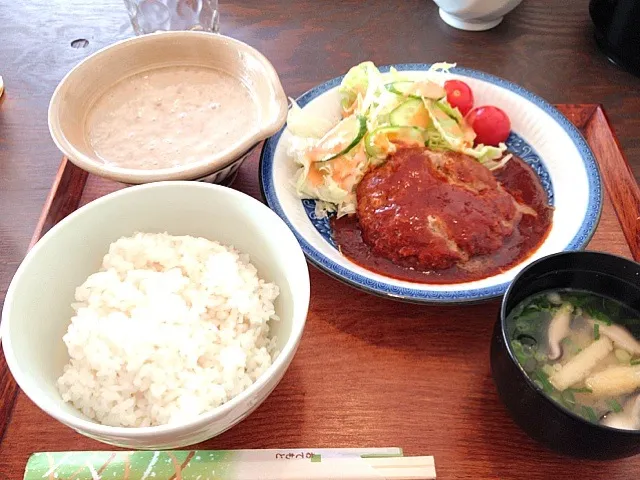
520 181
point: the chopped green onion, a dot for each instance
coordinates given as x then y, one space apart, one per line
605 319
523 324
532 306
563 400
545 304
573 300
519 352
543 378
581 390
548 369
635 361
598 315
540 305
540 357
522 359
596 331
614 405
590 414
568 397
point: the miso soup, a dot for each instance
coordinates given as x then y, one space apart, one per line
582 350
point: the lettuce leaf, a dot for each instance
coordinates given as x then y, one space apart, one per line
301 123
356 82
448 128
449 110
486 153
441 67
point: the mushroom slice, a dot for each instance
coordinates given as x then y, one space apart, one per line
580 366
618 335
615 381
628 418
555 298
559 328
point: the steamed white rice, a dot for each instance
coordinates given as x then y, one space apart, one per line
169 328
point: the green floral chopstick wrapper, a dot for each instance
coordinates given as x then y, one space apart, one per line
175 465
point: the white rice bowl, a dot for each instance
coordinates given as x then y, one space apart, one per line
170 328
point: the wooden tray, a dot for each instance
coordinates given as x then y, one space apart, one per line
369 371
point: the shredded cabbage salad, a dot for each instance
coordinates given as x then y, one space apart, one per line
380 113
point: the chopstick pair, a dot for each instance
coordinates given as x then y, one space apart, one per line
404 468
347 468
297 464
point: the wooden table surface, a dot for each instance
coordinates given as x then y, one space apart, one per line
545 46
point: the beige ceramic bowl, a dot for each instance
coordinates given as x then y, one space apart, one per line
37 309
81 87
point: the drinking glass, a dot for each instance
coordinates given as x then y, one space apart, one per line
148 16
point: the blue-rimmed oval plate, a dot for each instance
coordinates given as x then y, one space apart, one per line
540 135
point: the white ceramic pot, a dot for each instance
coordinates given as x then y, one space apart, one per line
37 309
475 15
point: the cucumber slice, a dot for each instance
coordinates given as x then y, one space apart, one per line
449 110
468 134
411 113
458 135
341 138
423 89
378 143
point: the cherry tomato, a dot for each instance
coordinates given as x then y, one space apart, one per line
459 95
490 123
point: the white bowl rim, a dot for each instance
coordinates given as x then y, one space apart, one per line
300 311
424 296
184 172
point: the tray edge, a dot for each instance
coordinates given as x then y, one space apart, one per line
619 182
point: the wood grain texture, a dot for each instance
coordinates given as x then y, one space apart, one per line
64 198
618 179
8 392
369 372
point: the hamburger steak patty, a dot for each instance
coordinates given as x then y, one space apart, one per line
432 210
